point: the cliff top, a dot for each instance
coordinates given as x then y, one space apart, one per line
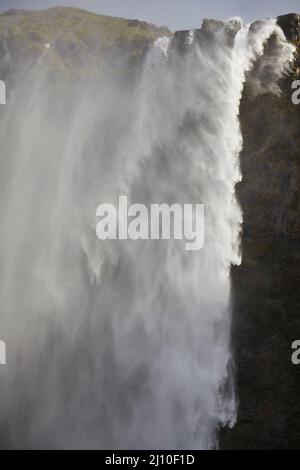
73 39
69 34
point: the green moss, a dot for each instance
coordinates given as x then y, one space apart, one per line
75 35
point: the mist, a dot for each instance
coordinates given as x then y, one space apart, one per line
123 344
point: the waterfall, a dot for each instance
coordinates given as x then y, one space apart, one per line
123 344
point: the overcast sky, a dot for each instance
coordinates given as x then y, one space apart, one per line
177 14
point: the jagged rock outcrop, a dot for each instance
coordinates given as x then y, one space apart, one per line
290 24
206 35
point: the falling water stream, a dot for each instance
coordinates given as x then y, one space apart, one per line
123 344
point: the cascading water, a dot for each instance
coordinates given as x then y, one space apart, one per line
123 344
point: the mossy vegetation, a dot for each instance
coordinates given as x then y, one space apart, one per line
71 38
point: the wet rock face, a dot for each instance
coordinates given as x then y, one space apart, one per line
290 24
211 26
210 32
181 41
266 287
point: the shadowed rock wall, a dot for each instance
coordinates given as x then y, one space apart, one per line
267 285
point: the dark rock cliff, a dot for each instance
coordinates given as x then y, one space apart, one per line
266 287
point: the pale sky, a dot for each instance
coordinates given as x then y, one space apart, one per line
176 14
